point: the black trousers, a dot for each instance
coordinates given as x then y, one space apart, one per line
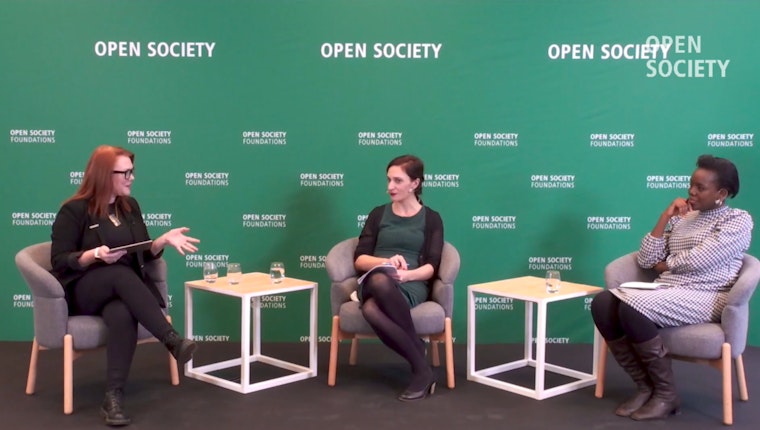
116 293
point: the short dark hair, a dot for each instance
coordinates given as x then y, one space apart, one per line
413 167
728 176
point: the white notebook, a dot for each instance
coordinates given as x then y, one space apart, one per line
642 285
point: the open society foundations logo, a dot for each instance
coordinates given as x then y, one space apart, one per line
608 223
32 219
328 180
312 261
380 138
155 219
668 182
441 180
207 179
731 140
494 222
196 260
261 137
500 139
258 220
612 140
550 263
552 181
22 135
149 137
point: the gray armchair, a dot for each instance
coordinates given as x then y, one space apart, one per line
712 344
432 319
55 329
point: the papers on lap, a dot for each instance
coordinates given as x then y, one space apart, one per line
386 268
642 285
134 247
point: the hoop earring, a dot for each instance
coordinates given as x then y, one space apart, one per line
719 202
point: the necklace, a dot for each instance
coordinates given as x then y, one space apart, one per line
114 218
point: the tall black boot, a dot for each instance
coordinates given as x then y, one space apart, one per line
627 358
112 409
181 349
664 400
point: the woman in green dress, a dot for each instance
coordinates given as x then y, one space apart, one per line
407 235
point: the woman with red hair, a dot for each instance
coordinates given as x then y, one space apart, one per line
97 280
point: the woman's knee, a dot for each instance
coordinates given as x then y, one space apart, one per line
116 313
378 283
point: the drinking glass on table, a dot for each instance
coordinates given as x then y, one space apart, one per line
552 281
234 273
210 271
277 272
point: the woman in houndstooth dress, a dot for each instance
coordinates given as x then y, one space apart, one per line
697 247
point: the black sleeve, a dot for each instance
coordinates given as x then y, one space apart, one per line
368 236
67 234
433 241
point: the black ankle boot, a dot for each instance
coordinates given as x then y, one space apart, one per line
182 349
112 409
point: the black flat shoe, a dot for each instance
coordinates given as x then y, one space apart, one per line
411 396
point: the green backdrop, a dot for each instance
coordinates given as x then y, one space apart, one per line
554 133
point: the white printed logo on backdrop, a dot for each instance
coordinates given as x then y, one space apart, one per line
494 222
207 179
668 182
731 140
441 180
149 137
598 222
612 140
23 135
380 138
195 261
327 180
261 137
155 219
32 219
500 139
546 181
259 220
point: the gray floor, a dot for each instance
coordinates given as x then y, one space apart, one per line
364 397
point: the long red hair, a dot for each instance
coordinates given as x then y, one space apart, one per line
97 184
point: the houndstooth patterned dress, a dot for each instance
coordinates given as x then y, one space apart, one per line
704 252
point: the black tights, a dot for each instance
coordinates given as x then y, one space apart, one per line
615 319
387 311
116 293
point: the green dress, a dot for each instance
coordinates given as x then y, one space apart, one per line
404 236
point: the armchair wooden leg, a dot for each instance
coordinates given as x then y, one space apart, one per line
728 413
334 342
449 344
741 379
68 374
601 369
31 379
354 351
435 356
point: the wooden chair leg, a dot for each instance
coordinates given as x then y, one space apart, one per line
435 356
449 345
728 413
334 342
31 379
741 379
601 369
352 356
68 374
